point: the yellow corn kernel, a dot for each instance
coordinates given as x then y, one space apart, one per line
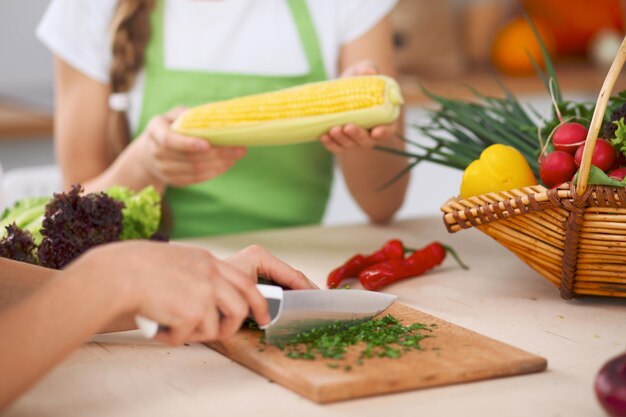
295 114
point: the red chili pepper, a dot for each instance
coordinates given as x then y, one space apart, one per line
420 261
393 249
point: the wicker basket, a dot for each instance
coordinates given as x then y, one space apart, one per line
574 235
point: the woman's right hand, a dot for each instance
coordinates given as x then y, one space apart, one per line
174 159
184 288
196 295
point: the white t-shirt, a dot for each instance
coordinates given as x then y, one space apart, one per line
235 36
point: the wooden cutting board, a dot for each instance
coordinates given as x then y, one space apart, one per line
453 355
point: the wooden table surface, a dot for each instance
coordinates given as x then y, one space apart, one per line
123 375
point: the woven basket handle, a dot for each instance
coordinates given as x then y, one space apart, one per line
598 116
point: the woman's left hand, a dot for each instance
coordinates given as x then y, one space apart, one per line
340 139
344 138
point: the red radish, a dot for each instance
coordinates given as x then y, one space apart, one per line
618 173
569 136
556 168
604 155
620 161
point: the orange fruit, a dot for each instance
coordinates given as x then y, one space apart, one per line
515 42
573 23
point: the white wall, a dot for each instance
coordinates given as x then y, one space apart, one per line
25 64
26 76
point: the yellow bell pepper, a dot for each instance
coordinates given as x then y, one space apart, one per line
499 168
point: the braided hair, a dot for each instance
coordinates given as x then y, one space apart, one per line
130 33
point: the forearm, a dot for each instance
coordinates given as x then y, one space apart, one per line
81 138
366 171
18 280
49 324
126 171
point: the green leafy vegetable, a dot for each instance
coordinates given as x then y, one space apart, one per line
54 231
599 177
18 245
141 212
74 223
25 214
619 139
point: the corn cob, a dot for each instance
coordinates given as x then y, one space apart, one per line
294 115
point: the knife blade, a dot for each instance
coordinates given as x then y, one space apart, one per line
302 310
296 311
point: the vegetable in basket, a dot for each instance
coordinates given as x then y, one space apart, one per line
557 168
571 235
499 168
569 136
603 156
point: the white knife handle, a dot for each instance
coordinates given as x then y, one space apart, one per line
148 328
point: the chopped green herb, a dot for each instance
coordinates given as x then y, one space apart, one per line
386 337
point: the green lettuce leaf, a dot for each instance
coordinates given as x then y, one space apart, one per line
142 211
599 177
24 213
619 141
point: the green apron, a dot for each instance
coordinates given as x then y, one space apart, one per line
274 186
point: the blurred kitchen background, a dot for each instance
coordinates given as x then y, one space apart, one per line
444 45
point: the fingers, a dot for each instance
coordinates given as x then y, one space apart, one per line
173 114
365 67
246 286
260 262
213 155
160 132
233 308
380 133
180 173
182 160
209 327
359 136
195 319
340 139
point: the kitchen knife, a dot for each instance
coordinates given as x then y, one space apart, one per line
295 311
